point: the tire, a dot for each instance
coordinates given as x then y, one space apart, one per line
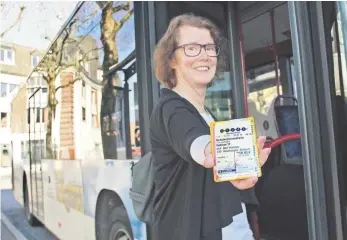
32 220
120 227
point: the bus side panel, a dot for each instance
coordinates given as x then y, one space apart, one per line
17 171
20 167
113 175
71 193
64 202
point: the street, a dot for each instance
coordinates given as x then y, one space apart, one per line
13 221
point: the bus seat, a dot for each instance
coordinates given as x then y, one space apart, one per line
270 114
287 121
265 124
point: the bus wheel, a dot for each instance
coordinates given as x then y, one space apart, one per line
120 228
32 220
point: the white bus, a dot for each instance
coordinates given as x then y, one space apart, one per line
81 119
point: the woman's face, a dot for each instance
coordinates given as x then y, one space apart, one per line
198 70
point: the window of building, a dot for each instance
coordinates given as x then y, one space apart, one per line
83 113
3 89
3 119
94 111
83 88
12 87
7 56
38 115
34 60
4 151
99 73
28 115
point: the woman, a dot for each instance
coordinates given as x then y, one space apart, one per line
189 205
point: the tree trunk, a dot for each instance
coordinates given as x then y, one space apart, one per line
108 37
51 105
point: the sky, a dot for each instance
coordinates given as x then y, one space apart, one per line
39 24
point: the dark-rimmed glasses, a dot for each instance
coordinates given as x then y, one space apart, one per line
194 49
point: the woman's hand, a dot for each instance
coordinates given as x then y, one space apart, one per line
263 155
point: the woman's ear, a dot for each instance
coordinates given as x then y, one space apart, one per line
172 63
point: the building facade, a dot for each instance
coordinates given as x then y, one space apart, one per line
16 63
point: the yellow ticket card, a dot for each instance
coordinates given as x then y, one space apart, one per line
235 149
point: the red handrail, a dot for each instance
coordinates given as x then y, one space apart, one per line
282 139
243 64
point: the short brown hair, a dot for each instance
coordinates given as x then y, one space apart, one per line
163 51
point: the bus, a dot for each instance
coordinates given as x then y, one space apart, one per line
81 119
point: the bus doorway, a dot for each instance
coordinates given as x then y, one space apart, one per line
288 106
258 50
270 91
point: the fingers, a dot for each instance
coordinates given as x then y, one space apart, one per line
245 183
263 155
209 162
261 142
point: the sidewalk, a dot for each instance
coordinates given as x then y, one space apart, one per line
14 225
5 233
8 231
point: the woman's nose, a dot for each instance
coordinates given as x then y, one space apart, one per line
203 53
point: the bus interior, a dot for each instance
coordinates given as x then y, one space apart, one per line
271 97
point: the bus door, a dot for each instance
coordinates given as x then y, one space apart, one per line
319 41
270 96
336 27
36 148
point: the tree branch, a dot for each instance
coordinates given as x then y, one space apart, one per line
45 78
68 84
60 53
92 50
125 18
21 10
121 7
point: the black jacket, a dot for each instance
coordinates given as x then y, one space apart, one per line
189 205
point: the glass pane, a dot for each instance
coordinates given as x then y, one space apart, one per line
3 119
38 115
9 55
218 97
12 87
119 109
121 126
3 89
2 55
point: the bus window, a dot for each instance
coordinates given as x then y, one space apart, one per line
119 107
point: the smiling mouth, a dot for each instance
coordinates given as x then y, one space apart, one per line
203 69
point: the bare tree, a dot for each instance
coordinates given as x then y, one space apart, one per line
16 21
109 29
56 61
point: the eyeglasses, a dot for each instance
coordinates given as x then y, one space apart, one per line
194 49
